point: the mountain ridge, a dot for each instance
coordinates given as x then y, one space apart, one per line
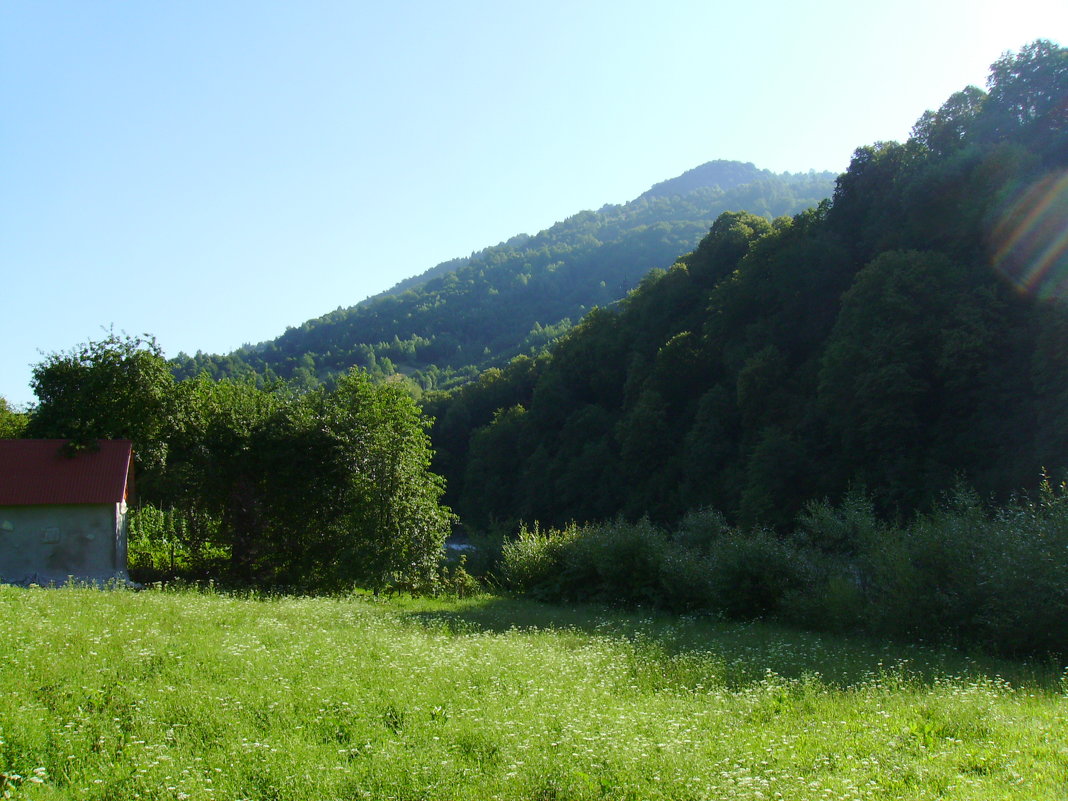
720 173
716 174
444 325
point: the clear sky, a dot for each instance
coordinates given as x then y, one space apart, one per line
212 171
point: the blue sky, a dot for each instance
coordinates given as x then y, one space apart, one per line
212 172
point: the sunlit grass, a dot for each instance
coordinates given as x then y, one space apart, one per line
181 695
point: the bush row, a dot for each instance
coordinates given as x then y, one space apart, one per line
964 574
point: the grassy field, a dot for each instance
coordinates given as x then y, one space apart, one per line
186 695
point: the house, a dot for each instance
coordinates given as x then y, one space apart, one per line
63 512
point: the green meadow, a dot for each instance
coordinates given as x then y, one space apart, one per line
183 694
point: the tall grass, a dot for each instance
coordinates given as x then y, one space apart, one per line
187 695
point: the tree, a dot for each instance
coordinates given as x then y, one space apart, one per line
491 481
1029 87
12 423
945 130
868 341
776 474
730 238
909 381
324 489
119 387
389 525
223 444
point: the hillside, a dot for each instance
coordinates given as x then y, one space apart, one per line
513 298
905 336
853 419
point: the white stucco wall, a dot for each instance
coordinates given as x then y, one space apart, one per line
43 544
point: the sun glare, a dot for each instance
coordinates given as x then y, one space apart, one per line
1030 238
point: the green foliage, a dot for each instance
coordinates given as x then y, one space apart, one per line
704 565
700 528
963 573
967 574
391 526
892 338
923 578
320 490
226 443
167 544
842 529
776 478
323 490
1027 610
948 129
886 380
1027 91
752 572
455 581
531 561
119 387
615 561
686 580
12 423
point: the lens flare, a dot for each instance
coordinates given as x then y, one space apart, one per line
1030 240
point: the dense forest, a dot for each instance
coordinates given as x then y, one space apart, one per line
462 316
908 334
852 419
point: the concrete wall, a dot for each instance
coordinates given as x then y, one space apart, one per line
43 544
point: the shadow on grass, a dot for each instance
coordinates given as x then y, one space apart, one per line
748 650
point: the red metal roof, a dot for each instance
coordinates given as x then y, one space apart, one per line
39 471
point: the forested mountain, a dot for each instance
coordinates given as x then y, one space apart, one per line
907 334
803 417
514 298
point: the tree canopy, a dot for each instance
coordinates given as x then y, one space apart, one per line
903 335
323 489
115 387
12 422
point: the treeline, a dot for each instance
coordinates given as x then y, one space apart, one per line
442 328
901 337
263 486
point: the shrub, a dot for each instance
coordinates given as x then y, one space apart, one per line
700 528
533 560
1027 572
926 577
831 600
455 581
685 579
753 572
960 573
616 561
843 529
965 574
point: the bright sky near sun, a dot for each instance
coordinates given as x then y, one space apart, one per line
212 171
